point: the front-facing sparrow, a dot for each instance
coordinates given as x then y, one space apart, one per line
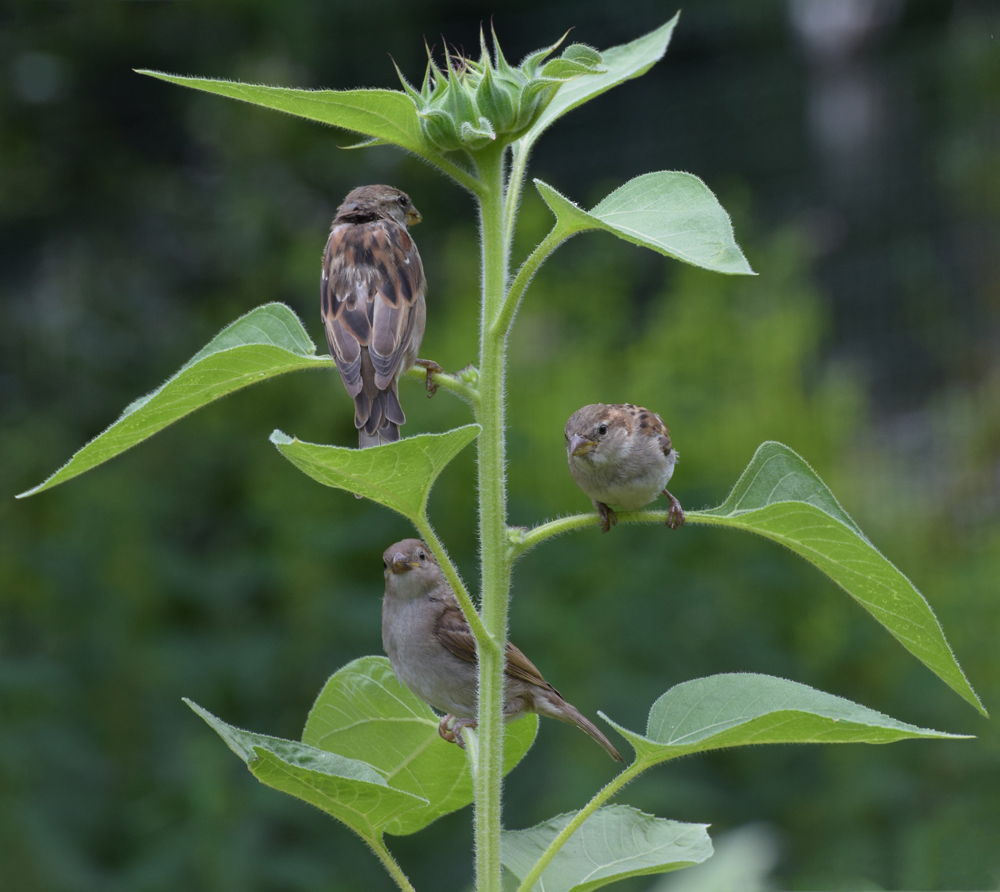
433 651
621 456
372 304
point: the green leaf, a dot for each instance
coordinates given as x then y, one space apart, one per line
621 63
349 790
387 115
672 213
780 497
615 842
364 713
742 709
398 475
265 342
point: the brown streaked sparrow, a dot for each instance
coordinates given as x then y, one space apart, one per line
372 304
433 651
621 456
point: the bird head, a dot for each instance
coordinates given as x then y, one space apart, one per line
410 568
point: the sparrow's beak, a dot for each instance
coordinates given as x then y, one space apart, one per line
580 445
400 564
413 216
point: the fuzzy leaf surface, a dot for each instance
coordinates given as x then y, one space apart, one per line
348 789
364 713
781 497
398 475
614 843
266 342
738 709
672 213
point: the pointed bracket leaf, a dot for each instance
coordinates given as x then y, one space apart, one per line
614 843
670 212
266 342
620 63
398 475
779 496
742 709
386 116
364 713
348 789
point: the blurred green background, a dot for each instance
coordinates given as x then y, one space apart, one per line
857 146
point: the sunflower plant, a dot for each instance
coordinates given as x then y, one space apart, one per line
370 754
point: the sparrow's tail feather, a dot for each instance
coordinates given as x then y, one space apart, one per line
567 712
378 420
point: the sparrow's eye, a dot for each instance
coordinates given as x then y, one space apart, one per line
422 556
602 429
385 564
404 201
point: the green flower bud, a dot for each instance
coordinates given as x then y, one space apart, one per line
497 100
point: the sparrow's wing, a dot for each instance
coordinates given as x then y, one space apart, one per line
651 425
372 279
398 282
453 631
520 667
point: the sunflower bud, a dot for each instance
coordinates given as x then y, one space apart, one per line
472 104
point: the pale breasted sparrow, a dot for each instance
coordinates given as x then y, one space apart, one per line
621 456
433 651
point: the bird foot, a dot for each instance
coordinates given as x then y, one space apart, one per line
432 369
608 517
675 519
450 729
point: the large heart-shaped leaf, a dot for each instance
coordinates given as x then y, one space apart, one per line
398 475
348 789
780 497
364 713
615 842
266 342
742 709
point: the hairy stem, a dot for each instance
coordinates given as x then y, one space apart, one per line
524 540
451 383
524 276
494 561
391 865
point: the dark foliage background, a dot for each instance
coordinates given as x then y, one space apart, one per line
856 145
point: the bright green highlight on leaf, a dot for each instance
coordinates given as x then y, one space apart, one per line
266 342
364 713
780 497
614 843
398 475
670 212
741 709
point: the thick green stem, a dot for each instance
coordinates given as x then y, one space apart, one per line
633 771
494 562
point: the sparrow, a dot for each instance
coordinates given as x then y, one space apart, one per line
621 456
433 651
372 305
